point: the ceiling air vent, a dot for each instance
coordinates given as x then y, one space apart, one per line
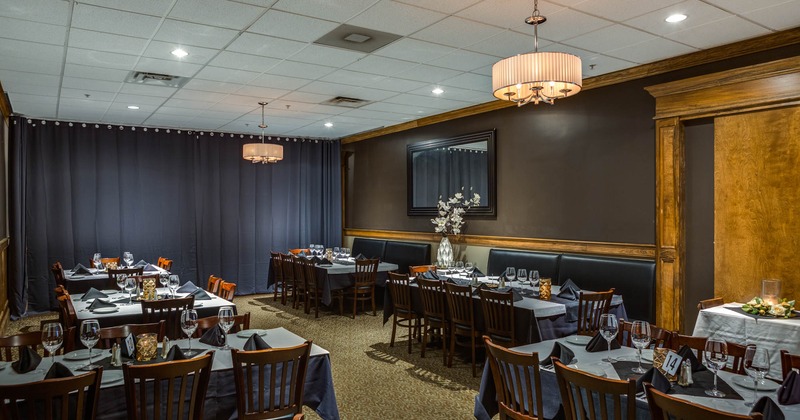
346 102
156 79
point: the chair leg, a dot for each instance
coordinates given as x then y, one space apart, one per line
424 338
472 345
394 329
443 336
410 334
373 302
355 303
275 294
452 347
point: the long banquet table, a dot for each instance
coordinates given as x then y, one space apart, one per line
486 404
98 279
535 319
730 323
220 401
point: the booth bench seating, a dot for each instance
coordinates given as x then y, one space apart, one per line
634 279
404 254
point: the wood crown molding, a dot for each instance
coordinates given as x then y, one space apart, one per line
762 43
612 249
5 106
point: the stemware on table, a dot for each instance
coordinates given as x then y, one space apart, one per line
640 336
460 267
127 257
716 355
522 274
174 284
52 338
130 286
534 278
90 334
98 261
163 279
609 326
121 279
756 364
226 318
511 274
189 325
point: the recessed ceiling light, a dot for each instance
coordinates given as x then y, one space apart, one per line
677 17
133 107
438 91
180 53
329 124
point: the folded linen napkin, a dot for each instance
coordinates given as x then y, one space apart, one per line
58 371
150 267
517 296
768 409
569 290
598 343
214 336
255 342
656 378
789 392
686 353
301 254
188 287
80 270
476 291
175 353
93 294
100 303
562 352
141 263
477 273
200 294
361 257
430 275
28 360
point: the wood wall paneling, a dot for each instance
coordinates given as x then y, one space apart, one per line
757 201
5 113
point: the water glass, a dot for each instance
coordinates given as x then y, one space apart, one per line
716 355
98 261
534 278
174 284
469 267
640 335
189 325
90 335
522 274
336 252
163 279
52 338
511 274
130 286
756 364
122 279
460 267
609 326
226 318
128 258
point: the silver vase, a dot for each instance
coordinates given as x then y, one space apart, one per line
445 253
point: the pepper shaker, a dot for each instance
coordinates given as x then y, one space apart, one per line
685 375
165 348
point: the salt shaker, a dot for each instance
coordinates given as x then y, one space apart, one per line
685 375
116 355
165 347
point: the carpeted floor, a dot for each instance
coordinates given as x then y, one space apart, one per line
372 380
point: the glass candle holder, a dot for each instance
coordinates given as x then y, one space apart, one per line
771 291
545 286
146 346
149 289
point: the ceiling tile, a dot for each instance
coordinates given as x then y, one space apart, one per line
31 89
33 66
651 50
450 32
186 33
265 45
302 70
445 6
565 24
241 109
220 74
39 108
92 94
413 50
398 85
464 60
145 7
311 98
183 103
150 90
698 13
241 100
602 64
609 38
9 77
326 56
621 10
163 50
428 101
292 26
100 59
113 21
506 44
400 109
234 60
745 6
32 31
322 9
170 111
212 86
354 78
510 15
84 104
166 120
10 48
380 65
280 82
779 17
265 93
365 113
91 40
88 84
470 81
456 94
426 73
226 14
718 32
396 18
44 11
172 67
370 94
140 100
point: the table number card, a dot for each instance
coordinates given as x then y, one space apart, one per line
130 345
672 362
661 363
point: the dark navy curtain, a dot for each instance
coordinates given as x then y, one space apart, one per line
190 197
443 172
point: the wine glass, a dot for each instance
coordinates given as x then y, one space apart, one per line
460 267
225 317
534 278
90 334
336 252
174 284
189 325
640 335
121 280
52 338
98 261
320 250
163 279
756 364
522 274
130 286
346 253
609 328
469 267
128 258
716 355
511 274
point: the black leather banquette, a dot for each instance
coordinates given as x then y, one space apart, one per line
634 279
404 254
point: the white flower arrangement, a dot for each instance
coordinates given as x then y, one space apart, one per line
451 212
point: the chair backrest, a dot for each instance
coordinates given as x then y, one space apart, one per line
710 303
400 291
213 284
277 266
788 362
156 387
498 313
58 274
659 336
168 310
434 305
580 391
105 261
296 251
309 269
11 342
164 263
111 335
67 315
227 290
459 304
299 270
663 406
366 271
134 271
287 269
262 375
74 397
698 344
241 322
590 307
413 270
516 380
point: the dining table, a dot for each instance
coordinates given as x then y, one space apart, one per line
730 323
80 283
535 319
738 387
220 400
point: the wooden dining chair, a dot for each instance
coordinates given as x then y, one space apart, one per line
116 335
227 290
297 251
788 362
698 344
363 288
581 390
165 387
710 303
414 270
498 315
590 306
299 278
67 315
213 284
168 310
261 375
241 322
73 397
434 313
58 274
403 314
10 345
517 381
127 272
105 262
462 321
280 285
313 291
660 338
663 406
164 263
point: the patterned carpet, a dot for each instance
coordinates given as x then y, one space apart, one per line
372 380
